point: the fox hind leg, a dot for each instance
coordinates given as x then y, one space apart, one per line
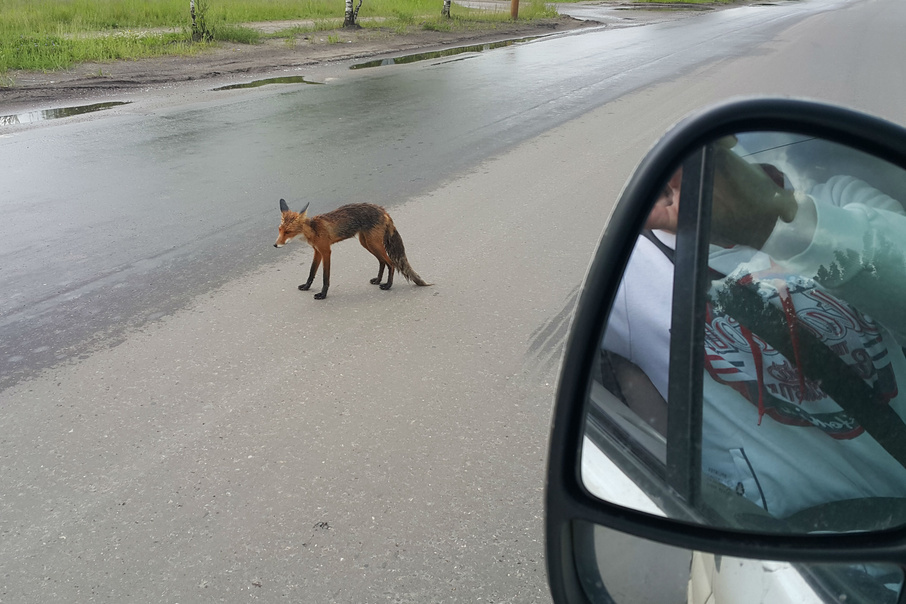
381 264
380 274
374 244
389 284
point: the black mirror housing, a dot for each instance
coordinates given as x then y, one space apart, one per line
569 504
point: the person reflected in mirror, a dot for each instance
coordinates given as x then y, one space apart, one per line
844 232
804 334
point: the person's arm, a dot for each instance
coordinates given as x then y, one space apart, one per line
834 215
851 238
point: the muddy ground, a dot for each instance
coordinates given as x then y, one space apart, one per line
313 55
228 63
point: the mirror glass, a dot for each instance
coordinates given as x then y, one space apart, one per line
623 569
791 419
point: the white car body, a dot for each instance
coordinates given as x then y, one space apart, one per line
711 581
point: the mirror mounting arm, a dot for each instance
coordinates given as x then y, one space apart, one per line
686 377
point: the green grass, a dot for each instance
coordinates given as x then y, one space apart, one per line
49 52
56 34
90 15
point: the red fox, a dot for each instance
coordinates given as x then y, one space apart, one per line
371 223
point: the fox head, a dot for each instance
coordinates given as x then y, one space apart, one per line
290 225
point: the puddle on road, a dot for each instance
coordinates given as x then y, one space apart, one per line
666 7
439 54
52 114
268 81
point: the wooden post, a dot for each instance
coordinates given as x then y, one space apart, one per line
514 9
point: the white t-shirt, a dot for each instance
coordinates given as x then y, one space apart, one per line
769 432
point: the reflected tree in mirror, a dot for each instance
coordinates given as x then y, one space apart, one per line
800 420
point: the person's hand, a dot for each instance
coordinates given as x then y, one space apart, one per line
746 201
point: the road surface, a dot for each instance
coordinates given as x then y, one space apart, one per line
197 429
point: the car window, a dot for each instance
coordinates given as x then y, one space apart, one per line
800 417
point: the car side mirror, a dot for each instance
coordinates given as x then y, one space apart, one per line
735 379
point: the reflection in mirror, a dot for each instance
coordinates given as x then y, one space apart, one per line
800 422
636 571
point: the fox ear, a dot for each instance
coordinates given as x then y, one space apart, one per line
302 211
283 206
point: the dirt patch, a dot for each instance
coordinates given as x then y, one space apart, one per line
317 54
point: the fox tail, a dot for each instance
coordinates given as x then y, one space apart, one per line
393 243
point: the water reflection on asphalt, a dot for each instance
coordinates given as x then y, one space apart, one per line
438 54
60 112
268 81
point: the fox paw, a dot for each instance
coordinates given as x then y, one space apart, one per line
385 286
375 281
320 296
304 287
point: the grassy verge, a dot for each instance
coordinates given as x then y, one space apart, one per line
55 34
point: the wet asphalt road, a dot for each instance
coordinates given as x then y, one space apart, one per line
212 434
119 220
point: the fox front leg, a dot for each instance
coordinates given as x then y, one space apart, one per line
325 276
315 262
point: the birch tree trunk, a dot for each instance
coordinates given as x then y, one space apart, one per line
446 11
349 19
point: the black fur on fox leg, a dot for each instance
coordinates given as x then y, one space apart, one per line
380 275
304 287
389 284
320 295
